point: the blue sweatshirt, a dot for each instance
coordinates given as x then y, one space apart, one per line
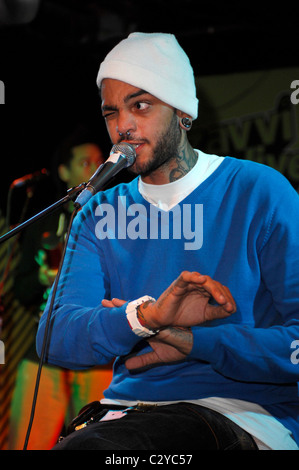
241 227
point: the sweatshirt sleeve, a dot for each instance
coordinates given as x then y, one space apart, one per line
82 332
264 353
250 354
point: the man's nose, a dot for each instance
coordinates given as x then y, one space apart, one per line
125 124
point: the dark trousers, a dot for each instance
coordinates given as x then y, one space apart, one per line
176 427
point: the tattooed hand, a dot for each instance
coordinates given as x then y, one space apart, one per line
186 303
170 345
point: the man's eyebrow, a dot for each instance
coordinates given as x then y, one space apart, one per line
107 107
134 95
126 99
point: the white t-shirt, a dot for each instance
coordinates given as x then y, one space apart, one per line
166 196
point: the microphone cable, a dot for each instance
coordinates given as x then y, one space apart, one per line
46 333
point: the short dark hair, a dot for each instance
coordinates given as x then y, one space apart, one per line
79 136
63 155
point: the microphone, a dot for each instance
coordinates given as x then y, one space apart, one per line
30 179
121 156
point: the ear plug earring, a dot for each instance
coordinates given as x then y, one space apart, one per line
186 123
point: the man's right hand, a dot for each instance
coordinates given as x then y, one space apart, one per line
185 303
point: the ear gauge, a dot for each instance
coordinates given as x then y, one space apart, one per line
186 123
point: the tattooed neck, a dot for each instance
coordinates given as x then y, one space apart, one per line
183 163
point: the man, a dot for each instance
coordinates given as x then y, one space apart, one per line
62 392
215 240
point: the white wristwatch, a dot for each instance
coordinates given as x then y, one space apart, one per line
131 312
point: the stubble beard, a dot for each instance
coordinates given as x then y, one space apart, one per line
166 150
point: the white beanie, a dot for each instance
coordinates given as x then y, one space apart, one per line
156 63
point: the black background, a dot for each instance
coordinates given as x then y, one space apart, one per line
49 64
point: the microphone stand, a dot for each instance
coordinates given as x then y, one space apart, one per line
71 194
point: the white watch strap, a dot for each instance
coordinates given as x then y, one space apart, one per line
131 312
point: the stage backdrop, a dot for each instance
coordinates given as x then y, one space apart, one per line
252 115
